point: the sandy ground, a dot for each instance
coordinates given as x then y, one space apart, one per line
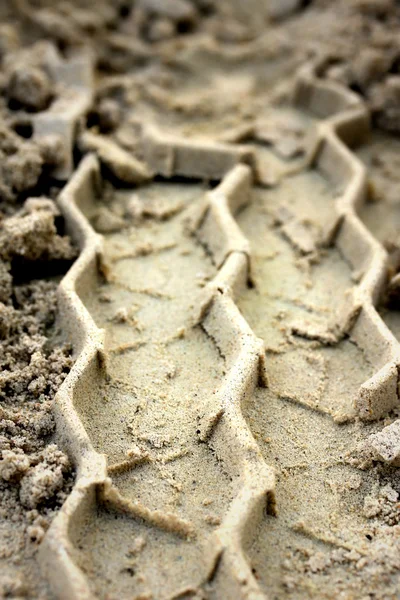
203 71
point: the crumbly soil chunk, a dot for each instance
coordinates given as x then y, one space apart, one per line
29 87
35 476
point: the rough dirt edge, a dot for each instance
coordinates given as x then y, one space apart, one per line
46 97
36 145
35 476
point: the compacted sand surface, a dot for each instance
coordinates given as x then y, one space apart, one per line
324 542
161 370
127 81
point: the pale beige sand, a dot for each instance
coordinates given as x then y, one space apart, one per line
176 519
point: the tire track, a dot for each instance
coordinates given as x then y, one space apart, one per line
160 370
325 540
109 507
309 383
313 326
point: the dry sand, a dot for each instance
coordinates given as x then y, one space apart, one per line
199 72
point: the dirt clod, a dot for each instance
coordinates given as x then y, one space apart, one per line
29 88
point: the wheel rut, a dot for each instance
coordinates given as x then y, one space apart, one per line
160 370
322 538
216 303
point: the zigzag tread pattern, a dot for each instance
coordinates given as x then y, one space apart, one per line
344 122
